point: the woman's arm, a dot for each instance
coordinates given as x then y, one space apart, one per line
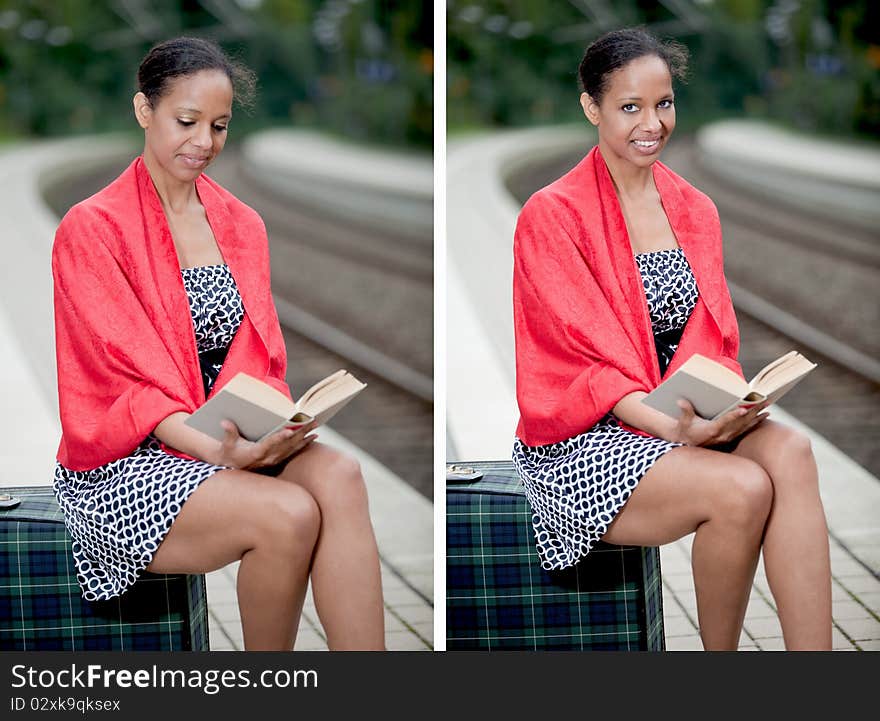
234 451
689 428
634 413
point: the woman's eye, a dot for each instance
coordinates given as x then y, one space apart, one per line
188 123
665 104
629 108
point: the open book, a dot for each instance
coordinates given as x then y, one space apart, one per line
714 390
258 409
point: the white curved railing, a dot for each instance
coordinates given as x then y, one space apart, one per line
28 231
833 179
30 426
381 188
480 219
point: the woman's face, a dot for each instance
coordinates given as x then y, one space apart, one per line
186 128
637 114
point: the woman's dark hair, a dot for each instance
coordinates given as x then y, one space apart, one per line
186 56
615 49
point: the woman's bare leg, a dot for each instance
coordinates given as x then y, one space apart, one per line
724 499
796 555
346 577
271 526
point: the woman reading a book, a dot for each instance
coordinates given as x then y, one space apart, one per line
617 281
162 295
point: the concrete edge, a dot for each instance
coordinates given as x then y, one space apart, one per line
26 169
381 188
481 408
762 144
833 180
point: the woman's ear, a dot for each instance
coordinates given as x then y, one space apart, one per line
591 108
143 111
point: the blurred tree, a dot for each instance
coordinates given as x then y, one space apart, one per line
362 68
812 64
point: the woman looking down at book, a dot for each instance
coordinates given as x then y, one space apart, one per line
162 295
618 280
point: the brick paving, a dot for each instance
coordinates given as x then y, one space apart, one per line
855 605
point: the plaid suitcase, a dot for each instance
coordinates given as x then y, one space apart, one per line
42 608
499 598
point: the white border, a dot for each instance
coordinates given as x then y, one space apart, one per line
439 326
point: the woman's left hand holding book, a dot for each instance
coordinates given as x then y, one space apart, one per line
274 448
234 451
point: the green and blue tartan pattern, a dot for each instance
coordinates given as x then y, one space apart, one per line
499 597
41 604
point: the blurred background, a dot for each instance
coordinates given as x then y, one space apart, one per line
359 68
808 64
336 156
779 123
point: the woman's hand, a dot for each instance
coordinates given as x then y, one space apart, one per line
695 431
238 452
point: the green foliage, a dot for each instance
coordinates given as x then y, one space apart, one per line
361 68
810 64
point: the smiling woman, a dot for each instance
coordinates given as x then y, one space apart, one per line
618 280
162 295
185 127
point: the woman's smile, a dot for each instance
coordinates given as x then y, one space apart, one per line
648 147
194 161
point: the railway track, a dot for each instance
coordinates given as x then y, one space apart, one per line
347 298
824 274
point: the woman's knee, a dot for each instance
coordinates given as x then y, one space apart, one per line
345 483
794 447
334 479
745 493
290 518
787 456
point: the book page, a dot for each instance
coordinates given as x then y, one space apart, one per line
317 387
781 391
714 373
343 390
779 375
784 376
771 367
259 393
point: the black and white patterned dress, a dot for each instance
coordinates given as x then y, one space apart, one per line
120 512
577 486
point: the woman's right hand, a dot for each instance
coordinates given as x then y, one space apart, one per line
238 452
695 431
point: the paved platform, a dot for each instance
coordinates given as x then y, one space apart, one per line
30 429
481 401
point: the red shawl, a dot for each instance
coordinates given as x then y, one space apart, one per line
125 345
583 333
